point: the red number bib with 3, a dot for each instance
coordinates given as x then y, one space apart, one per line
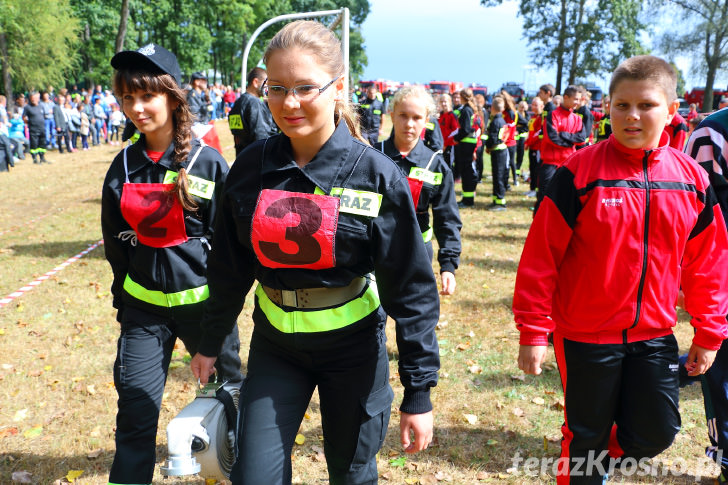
154 213
295 230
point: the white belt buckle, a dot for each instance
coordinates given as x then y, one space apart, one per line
289 298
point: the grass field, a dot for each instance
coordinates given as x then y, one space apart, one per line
58 343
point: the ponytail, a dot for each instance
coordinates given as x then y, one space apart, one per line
182 139
344 111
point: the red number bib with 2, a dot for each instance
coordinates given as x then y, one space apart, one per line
295 230
154 213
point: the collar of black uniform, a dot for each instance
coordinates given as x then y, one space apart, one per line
324 169
418 156
138 155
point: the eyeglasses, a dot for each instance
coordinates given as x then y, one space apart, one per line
304 92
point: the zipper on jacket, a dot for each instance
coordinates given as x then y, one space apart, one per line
643 275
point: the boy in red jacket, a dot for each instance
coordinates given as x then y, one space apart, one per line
623 225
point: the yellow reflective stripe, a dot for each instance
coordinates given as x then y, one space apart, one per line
469 140
358 202
235 122
502 146
429 126
427 235
468 194
377 111
483 137
498 201
200 187
319 191
432 178
154 297
298 321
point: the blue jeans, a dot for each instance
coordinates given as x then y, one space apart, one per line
50 131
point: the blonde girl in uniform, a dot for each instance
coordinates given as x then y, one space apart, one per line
314 214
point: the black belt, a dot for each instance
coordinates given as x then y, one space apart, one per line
316 297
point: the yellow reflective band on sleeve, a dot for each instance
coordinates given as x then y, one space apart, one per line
200 187
502 146
311 321
469 140
483 136
377 111
358 202
432 178
235 122
427 235
154 297
365 106
429 126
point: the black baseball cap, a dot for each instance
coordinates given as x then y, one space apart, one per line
197 75
153 57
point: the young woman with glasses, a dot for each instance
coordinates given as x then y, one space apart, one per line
315 215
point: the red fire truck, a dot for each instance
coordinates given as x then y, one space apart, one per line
445 87
696 95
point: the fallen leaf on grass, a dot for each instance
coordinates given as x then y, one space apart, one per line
441 325
20 415
398 462
22 477
300 439
411 481
393 453
33 432
428 479
470 418
93 454
12 431
491 442
463 346
538 400
518 412
475 369
558 405
386 476
443 477
518 377
35 373
90 389
72 475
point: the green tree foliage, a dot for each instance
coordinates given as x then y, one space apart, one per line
704 34
580 37
206 36
37 45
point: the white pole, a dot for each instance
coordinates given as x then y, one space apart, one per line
292 16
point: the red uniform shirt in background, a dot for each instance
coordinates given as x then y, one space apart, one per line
677 130
448 123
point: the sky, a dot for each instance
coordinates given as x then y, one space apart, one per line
459 40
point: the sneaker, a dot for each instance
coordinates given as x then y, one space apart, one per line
464 205
531 193
497 208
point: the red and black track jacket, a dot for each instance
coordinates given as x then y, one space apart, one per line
448 123
678 132
562 129
618 233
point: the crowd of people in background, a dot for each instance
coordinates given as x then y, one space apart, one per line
72 119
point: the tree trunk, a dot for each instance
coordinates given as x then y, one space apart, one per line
560 48
121 34
7 80
708 95
576 46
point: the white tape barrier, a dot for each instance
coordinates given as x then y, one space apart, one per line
36 282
